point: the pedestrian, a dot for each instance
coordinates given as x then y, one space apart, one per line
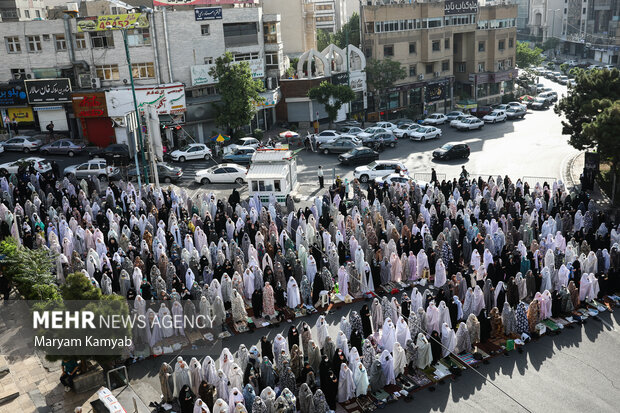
50 129
313 143
433 175
321 178
15 126
70 369
464 173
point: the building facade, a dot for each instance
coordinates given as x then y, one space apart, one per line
547 18
22 10
449 54
299 32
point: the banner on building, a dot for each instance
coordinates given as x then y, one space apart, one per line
340 79
166 99
112 22
435 92
461 7
13 94
200 2
21 115
208 13
200 73
48 90
90 105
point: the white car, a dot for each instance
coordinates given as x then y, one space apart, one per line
469 124
435 119
39 164
495 116
454 114
369 132
517 105
222 173
95 167
399 178
191 151
403 131
247 142
459 119
386 125
377 169
424 133
326 136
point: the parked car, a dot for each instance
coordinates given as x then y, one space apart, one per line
470 124
22 144
326 136
378 169
348 122
514 113
63 147
556 76
222 173
571 63
403 131
540 103
540 87
358 155
562 80
240 156
516 105
95 167
368 132
609 67
340 145
167 173
394 179
435 119
424 133
39 164
495 116
402 121
191 151
351 130
452 150
386 125
503 106
381 140
114 152
482 111
548 96
248 142
454 114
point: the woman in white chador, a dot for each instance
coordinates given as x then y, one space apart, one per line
400 359
293 298
387 366
402 331
346 384
360 377
425 357
181 375
321 328
388 335
238 307
448 340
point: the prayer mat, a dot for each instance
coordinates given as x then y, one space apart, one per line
560 321
392 389
441 371
551 325
453 362
351 406
381 395
367 404
490 348
418 377
468 359
194 337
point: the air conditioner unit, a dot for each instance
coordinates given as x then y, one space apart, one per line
437 74
84 80
95 83
420 77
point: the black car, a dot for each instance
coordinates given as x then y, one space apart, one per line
358 155
167 173
452 151
380 141
114 152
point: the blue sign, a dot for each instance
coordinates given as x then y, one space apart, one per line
13 94
208 13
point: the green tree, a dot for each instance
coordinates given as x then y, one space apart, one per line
238 91
350 30
332 97
323 39
551 43
564 68
382 74
526 56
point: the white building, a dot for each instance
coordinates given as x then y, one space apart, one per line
546 18
330 15
21 10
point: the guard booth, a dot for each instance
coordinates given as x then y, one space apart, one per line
272 172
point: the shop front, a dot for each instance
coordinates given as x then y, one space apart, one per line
14 106
91 111
49 99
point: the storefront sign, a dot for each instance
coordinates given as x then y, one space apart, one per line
340 78
435 92
200 73
90 105
48 90
461 7
167 99
357 81
199 2
270 100
505 76
208 13
24 115
112 22
13 94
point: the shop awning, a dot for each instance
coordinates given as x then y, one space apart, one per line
267 171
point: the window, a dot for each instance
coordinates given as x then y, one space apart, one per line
509 62
412 70
138 37
325 18
38 13
446 43
34 43
412 48
271 59
108 72
481 67
240 34
461 67
27 13
61 42
445 66
270 31
100 40
277 186
501 45
481 46
205 29
388 50
80 41
18 74
143 70
208 60
430 68
436 46
13 45
324 7
241 57
205 91
511 42
500 65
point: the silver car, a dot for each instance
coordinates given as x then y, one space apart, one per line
62 147
95 167
22 143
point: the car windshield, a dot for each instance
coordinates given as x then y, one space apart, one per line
369 130
31 139
185 148
540 99
423 129
447 146
371 165
166 166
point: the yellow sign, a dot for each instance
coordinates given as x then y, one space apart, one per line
20 114
113 22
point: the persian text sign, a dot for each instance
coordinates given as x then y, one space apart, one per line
208 13
200 73
199 2
112 22
48 90
13 94
90 105
461 7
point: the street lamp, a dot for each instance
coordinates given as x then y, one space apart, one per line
123 31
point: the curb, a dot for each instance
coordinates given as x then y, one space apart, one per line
567 175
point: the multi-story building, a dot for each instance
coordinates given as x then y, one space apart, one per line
21 10
547 18
299 32
330 15
449 54
171 51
